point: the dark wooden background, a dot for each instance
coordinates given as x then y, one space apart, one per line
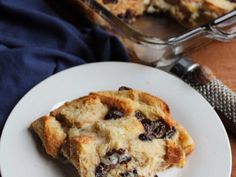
221 58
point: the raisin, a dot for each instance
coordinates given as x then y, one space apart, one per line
109 153
124 174
132 173
124 159
124 88
113 151
127 17
135 172
114 113
145 137
140 116
101 170
120 151
158 129
147 124
116 156
171 132
111 159
110 1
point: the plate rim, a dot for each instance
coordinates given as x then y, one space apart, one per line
120 63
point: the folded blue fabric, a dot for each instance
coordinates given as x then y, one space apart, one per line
36 42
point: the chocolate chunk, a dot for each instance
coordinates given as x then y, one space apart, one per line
114 113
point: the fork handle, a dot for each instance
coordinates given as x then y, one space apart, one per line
221 98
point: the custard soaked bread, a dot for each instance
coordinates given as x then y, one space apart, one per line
190 13
115 134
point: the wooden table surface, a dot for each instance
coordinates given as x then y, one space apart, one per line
221 58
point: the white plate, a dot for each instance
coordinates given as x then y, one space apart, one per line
21 156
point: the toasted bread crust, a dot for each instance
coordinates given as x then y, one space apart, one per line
51 134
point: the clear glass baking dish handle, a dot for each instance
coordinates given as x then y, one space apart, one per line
222 29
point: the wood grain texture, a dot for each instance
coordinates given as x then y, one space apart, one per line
221 58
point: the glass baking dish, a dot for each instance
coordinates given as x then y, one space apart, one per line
158 40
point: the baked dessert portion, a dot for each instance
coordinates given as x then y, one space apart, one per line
126 9
125 133
193 13
190 13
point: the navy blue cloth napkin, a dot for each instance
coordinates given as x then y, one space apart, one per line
36 41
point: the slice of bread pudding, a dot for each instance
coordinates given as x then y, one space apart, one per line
125 133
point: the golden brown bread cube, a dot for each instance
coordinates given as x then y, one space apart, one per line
115 134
